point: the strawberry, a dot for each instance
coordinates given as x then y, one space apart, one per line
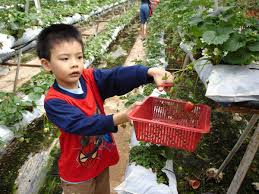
188 107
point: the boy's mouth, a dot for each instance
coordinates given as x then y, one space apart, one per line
75 74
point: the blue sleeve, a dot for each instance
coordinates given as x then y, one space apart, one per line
120 80
72 120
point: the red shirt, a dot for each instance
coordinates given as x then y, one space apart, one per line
71 167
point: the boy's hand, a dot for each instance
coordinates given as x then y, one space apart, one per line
162 78
122 117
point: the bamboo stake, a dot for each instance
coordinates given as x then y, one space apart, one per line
238 109
186 60
241 139
27 5
22 64
17 70
245 163
216 5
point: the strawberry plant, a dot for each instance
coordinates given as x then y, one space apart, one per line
14 20
150 156
225 35
148 89
96 44
248 4
37 85
11 108
134 98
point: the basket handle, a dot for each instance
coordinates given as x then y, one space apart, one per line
135 109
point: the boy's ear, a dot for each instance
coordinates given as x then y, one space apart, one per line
45 64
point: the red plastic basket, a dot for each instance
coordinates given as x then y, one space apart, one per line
164 121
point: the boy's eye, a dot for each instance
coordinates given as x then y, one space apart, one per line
64 59
80 57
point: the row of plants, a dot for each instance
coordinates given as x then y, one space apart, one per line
162 19
14 21
119 49
96 46
224 35
37 137
12 105
6 2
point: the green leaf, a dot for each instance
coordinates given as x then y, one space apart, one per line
11 110
240 57
34 96
196 31
133 99
211 37
253 46
168 153
224 30
195 20
234 43
38 90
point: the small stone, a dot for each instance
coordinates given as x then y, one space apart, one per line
237 117
256 186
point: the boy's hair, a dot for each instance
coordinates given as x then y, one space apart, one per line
55 34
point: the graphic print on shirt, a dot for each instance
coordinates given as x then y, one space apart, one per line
91 148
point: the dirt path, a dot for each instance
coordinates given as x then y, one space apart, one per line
114 104
137 52
25 74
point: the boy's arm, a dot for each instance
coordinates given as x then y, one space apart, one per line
120 80
72 120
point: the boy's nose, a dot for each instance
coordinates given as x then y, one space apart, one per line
74 64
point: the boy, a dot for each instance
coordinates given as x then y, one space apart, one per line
74 103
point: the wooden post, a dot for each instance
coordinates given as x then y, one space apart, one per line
216 5
186 60
37 5
245 163
113 13
241 139
22 65
27 5
17 70
96 29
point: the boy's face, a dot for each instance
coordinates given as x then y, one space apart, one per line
66 63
